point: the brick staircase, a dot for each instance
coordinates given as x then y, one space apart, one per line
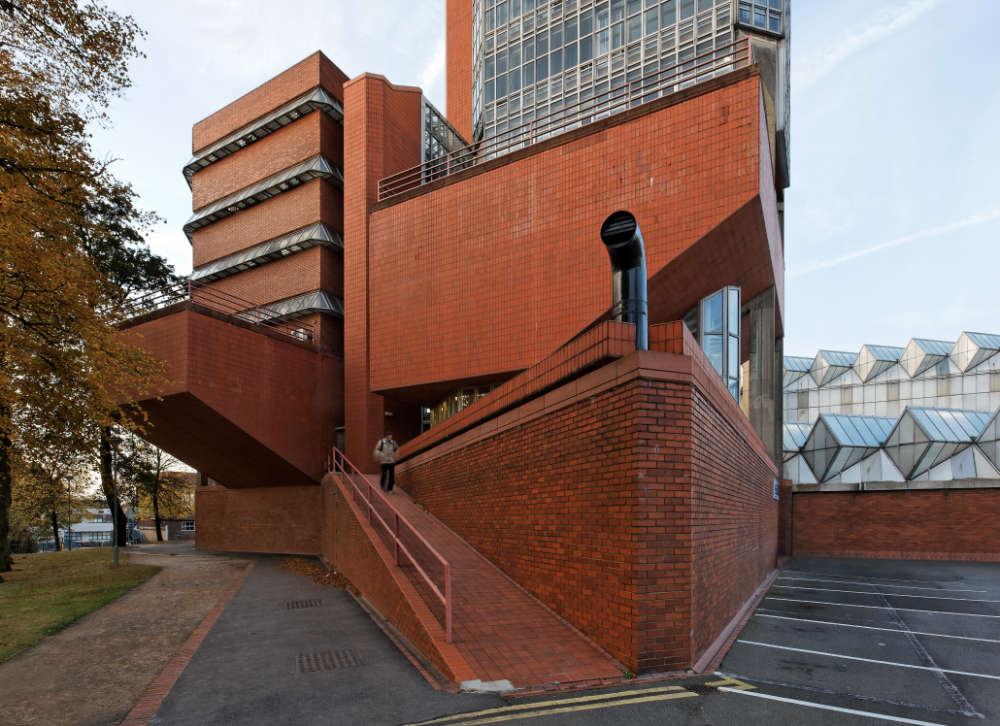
505 636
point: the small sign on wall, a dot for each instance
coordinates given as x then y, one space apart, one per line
774 483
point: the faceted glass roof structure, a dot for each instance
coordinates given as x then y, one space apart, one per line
796 367
971 349
831 364
922 354
926 437
303 239
989 440
875 359
838 442
794 436
314 168
317 98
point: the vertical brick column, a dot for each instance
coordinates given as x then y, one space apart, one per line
381 137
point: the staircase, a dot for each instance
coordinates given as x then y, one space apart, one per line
506 637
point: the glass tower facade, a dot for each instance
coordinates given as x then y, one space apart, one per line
533 58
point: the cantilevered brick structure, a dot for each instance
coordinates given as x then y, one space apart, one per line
360 262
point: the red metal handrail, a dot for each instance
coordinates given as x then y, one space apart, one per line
211 297
633 93
365 490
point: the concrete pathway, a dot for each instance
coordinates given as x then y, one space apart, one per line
288 651
92 672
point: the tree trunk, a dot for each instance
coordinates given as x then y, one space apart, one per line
108 486
6 561
156 516
55 528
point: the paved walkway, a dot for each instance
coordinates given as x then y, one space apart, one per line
503 632
92 672
289 651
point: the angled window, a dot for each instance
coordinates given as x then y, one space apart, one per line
838 442
926 437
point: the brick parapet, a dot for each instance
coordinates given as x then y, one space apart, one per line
315 70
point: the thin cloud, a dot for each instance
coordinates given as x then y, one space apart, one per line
976 219
434 70
885 22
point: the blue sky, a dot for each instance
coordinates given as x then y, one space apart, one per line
893 216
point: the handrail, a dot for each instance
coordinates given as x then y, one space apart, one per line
205 294
338 463
633 93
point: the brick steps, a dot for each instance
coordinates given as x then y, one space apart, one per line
502 631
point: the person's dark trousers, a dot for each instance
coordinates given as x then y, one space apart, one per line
388 477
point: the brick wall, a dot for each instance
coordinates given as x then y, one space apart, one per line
315 133
381 137
458 73
314 201
957 524
278 520
316 70
317 268
494 270
626 501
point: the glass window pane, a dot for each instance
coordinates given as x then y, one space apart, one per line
652 18
569 56
634 28
734 310
712 313
617 10
713 349
734 357
586 48
668 14
569 30
586 22
687 9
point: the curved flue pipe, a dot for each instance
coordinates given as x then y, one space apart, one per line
623 240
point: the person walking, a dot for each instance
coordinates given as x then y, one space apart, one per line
385 454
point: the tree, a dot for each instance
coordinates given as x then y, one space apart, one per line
160 489
40 501
65 224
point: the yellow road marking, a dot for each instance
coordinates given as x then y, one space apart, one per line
732 683
571 709
556 702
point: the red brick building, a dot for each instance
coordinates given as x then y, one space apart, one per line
359 267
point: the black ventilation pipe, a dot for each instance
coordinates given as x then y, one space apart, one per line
620 234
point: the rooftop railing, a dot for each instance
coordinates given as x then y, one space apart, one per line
633 93
210 297
392 524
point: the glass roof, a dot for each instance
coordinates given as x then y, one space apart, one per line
795 435
885 352
863 431
311 236
294 109
934 347
797 363
840 358
949 425
985 340
314 168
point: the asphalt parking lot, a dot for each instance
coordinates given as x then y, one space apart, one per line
833 642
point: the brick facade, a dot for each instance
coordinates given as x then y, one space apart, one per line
959 524
600 501
280 520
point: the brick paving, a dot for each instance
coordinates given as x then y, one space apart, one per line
502 631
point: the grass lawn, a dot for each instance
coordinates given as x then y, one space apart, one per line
47 591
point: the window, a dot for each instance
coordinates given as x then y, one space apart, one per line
187 525
995 381
802 400
847 395
892 391
717 322
944 386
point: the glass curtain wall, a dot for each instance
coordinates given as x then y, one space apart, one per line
535 58
715 323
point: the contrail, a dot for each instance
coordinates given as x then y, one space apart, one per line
972 221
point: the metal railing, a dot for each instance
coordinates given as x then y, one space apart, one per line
365 493
633 93
207 296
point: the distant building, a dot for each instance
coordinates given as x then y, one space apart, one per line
97 528
926 412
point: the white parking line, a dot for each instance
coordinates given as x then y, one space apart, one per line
880 594
838 709
881 607
870 660
872 627
882 584
888 579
